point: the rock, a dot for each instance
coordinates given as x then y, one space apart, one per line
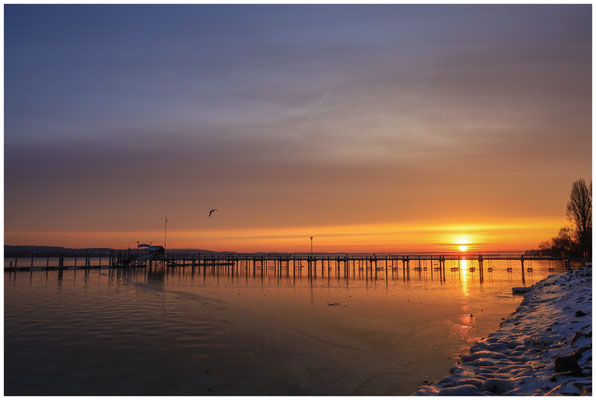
580 313
483 362
521 289
333 304
471 381
569 365
498 386
579 334
497 347
426 391
455 369
482 354
478 347
446 380
462 390
556 376
577 354
562 389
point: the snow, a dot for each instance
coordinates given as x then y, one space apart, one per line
543 348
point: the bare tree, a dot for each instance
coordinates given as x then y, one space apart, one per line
579 212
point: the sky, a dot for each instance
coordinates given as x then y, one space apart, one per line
371 128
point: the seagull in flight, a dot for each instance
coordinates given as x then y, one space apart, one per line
212 211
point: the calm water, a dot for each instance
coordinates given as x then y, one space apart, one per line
191 332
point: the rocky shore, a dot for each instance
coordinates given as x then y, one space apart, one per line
543 348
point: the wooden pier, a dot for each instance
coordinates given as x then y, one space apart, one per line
316 264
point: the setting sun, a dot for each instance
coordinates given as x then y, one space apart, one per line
462 242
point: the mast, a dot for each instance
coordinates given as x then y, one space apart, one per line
165 235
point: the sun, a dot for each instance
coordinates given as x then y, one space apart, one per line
462 242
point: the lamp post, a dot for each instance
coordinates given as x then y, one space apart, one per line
311 245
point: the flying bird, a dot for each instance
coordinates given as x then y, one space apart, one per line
212 211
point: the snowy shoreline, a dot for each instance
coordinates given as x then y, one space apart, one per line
543 348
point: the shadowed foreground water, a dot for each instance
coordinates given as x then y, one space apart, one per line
185 331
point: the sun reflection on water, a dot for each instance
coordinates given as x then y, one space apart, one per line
464 277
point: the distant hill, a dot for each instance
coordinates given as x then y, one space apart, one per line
197 251
54 251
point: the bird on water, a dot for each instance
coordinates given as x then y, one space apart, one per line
212 211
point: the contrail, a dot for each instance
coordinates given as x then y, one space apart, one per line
309 116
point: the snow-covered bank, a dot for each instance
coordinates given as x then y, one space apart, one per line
545 347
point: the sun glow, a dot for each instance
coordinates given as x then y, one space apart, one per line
462 242
461 239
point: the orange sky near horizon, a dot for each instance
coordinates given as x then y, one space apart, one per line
502 235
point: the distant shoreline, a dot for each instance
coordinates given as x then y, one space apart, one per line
54 251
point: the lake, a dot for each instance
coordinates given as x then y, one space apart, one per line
224 331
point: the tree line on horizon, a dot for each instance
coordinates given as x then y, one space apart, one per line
574 239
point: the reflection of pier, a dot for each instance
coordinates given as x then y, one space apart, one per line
315 264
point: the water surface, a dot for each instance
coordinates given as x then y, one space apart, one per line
193 331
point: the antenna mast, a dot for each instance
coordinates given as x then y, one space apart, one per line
165 235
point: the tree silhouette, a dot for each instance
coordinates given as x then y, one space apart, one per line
563 243
579 212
